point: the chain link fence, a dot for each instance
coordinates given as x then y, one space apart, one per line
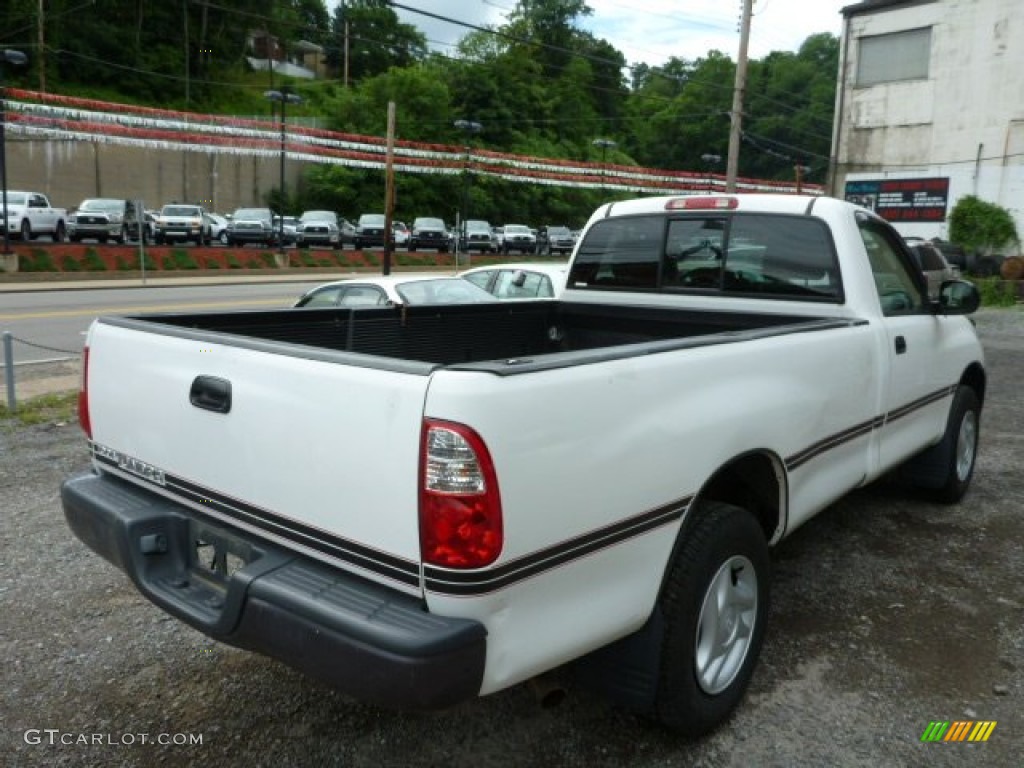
38 376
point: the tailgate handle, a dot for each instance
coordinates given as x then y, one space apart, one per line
211 393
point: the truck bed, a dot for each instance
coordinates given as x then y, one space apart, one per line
500 337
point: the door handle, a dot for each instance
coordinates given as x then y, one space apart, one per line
211 393
901 345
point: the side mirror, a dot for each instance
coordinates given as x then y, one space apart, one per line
958 297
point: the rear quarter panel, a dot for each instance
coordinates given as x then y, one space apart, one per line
597 464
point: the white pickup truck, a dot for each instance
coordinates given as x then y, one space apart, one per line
29 215
420 505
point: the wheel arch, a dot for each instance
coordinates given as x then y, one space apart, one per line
974 377
755 481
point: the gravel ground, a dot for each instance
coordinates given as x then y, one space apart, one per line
888 613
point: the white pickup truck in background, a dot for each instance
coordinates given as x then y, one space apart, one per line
29 215
420 505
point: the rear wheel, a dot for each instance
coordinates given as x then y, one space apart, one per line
715 605
945 470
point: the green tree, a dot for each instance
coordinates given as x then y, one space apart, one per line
981 226
377 40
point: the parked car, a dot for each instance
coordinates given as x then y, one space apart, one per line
518 237
386 290
934 265
286 232
400 233
104 219
477 236
370 230
184 222
252 225
346 232
429 232
318 228
218 227
555 239
519 281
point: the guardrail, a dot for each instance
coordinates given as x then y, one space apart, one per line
9 363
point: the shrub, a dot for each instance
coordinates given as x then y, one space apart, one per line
183 260
981 226
69 263
996 293
233 262
39 260
92 261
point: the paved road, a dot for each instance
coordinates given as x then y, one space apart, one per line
55 318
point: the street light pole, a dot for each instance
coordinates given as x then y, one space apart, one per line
17 58
285 96
711 160
604 144
470 128
800 171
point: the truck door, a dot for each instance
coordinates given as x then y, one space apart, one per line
915 400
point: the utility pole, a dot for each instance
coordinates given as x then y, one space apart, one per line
736 130
42 49
389 191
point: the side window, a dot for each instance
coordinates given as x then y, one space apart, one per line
328 297
363 296
620 252
781 256
480 279
899 293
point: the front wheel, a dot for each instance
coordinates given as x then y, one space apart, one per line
715 605
59 233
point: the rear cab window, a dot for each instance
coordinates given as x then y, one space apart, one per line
743 254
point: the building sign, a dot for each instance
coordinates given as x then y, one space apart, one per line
902 199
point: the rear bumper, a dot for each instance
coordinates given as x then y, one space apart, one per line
369 641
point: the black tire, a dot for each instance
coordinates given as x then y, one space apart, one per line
945 470
26 231
718 577
60 233
223 237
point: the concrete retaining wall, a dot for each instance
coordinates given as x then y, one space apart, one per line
70 171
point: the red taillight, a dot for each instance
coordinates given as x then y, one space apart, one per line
83 396
460 507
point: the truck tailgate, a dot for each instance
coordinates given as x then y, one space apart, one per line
314 455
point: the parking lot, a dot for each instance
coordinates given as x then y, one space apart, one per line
888 613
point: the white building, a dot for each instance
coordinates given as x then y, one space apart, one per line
930 108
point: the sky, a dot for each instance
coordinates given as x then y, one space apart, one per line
652 31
